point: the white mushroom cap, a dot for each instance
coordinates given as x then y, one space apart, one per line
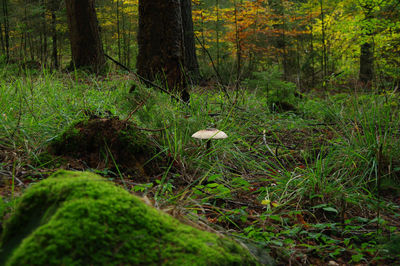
210 133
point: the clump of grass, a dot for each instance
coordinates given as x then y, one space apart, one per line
36 108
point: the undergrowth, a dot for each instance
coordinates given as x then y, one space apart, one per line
315 184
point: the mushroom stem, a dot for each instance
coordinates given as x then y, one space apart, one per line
208 144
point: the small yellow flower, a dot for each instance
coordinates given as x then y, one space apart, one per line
270 203
274 204
265 202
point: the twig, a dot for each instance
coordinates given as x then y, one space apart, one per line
378 176
17 127
266 144
321 124
210 57
140 128
233 201
149 129
146 81
213 65
10 173
135 110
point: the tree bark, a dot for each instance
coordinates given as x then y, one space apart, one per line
161 44
366 63
54 38
324 55
6 29
366 54
43 57
191 63
54 5
86 47
118 31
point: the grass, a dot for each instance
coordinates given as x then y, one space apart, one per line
314 185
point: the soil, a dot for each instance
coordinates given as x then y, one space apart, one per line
106 144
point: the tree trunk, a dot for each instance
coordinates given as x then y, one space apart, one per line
312 55
217 31
43 58
160 41
366 53
87 50
2 39
238 47
118 31
323 59
6 29
366 63
191 64
54 38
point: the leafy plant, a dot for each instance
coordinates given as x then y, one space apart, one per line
279 94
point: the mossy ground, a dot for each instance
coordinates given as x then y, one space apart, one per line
75 218
299 185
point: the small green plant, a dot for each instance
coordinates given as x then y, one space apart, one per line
279 94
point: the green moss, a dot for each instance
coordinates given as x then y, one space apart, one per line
75 218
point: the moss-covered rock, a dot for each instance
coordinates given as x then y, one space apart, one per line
75 218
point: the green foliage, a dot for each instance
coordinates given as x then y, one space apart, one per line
393 246
2 206
276 91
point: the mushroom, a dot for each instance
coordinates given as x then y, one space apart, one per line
209 134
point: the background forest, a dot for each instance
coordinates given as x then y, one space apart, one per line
314 43
306 90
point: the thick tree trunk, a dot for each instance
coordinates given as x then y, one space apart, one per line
87 50
160 40
191 64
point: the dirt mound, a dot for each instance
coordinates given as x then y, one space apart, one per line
102 143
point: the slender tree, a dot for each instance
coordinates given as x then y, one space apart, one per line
238 46
217 30
53 9
43 35
323 40
118 30
6 28
366 53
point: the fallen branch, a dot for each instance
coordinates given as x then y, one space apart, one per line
213 65
149 129
144 80
136 109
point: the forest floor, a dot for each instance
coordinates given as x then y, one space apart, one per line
315 180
